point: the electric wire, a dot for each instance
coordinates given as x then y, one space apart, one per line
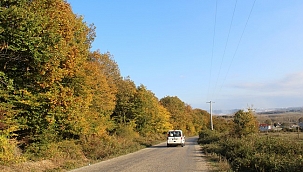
213 45
238 45
231 22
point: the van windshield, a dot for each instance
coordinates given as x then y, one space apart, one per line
174 134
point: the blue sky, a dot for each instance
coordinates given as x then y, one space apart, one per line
223 51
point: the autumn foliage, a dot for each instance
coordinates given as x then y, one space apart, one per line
55 92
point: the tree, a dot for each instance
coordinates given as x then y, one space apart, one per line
245 123
201 119
8 124
98 90
44 47
162 120
223 124
125 101
177 109
150 116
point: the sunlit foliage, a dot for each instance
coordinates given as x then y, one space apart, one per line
150 116
245 123
56 95
183 117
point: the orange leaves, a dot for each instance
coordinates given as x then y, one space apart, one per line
101 80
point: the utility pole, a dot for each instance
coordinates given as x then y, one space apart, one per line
211 115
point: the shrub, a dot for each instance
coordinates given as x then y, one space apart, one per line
256 153
9 151
209 136
64 150
98 148
95 147
126 131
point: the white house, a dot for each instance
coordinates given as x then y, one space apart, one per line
264 127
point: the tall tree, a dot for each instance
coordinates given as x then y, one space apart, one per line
223 124
177 109
100 90
44 47
125 101
150 116
245 123
201 119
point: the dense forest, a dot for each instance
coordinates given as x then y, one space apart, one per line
58 97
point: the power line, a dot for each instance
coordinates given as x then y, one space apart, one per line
238 44
231 22
212 54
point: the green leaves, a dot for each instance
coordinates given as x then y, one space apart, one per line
245 123
8 124
52 88
177 109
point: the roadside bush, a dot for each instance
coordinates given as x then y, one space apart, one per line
238 152
126 131
257 153
150 139
63 150
9 151
212 148
209 136
96 148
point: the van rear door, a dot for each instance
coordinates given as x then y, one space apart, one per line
174 137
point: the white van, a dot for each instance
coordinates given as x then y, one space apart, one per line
175 137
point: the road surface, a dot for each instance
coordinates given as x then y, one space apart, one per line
155 158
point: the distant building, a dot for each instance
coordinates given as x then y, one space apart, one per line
289 125
264 127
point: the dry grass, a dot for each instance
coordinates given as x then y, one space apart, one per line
39 166
218 163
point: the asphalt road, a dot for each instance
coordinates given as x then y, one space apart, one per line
155 158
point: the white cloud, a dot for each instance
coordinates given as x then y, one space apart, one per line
292 81
291 85
284 92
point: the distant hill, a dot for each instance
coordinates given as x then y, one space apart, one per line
261 111
280 110
225 112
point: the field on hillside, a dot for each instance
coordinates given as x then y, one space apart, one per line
280 117
279 152
280 149
295 136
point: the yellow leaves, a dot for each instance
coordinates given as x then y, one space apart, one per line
50 119
3 46
96 84
70 88
164 124
8 150
245 123
62 97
